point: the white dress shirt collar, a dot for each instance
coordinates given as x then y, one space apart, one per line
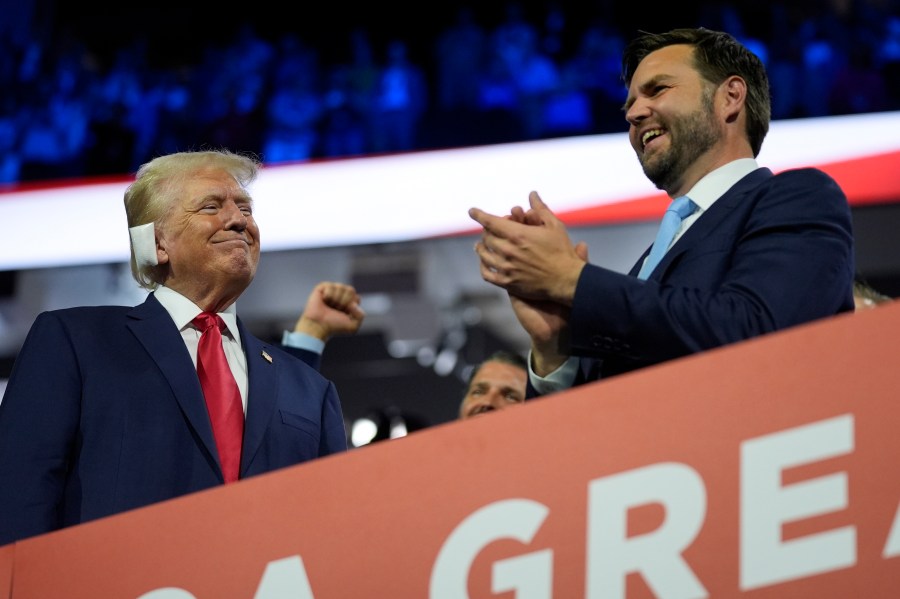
183 311
714 185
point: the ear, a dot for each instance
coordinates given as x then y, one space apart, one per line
732 96
162 255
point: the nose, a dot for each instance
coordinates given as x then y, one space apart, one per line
636 112
234 217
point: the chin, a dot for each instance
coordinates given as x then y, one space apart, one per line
241 267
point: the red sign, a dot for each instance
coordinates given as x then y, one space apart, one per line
764 469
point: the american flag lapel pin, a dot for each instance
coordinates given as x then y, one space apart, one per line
267 357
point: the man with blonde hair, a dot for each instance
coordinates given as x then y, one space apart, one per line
111 408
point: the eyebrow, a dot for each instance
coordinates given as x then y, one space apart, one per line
221 197
650 83
488 385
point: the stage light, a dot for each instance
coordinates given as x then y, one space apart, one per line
363 431
383 424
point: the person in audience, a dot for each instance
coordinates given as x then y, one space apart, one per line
497 383
759 253
110 408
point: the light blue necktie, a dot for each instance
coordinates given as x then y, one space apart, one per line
677 211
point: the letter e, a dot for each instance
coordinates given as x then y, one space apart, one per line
766 505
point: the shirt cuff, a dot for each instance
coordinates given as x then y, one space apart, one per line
558 380
303 341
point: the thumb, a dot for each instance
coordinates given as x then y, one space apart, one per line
356 311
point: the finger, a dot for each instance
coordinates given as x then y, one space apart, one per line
353 305
492 251
488 263
533 217
479 216
346 300
336 295
540 213
483 252
535 201
500 226
489 274
328 292
343 294
488 243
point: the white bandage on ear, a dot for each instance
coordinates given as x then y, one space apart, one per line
143 242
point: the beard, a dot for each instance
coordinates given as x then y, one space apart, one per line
691 136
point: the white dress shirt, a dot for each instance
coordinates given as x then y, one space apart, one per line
183 311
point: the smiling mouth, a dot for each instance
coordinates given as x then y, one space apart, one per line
235 240
649 135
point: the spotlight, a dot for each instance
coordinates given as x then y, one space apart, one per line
363 431
382 424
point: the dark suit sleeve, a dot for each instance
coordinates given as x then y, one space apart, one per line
39 418
334 434
334 437
311 358
776 255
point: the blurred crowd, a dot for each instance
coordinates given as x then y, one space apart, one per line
70 110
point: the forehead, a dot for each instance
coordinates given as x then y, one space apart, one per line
674 60
500 373
211 182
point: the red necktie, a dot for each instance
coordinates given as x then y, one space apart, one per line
223 399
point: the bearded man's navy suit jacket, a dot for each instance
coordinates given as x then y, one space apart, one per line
774 251
109 416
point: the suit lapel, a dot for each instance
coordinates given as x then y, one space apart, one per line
262 374
153 327
709 221
640 262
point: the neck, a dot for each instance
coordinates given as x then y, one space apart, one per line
208 299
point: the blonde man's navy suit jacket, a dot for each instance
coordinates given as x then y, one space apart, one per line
104 413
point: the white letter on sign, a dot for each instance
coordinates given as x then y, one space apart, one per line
766 505
611 555
167 593
284 578
892 547
530 576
